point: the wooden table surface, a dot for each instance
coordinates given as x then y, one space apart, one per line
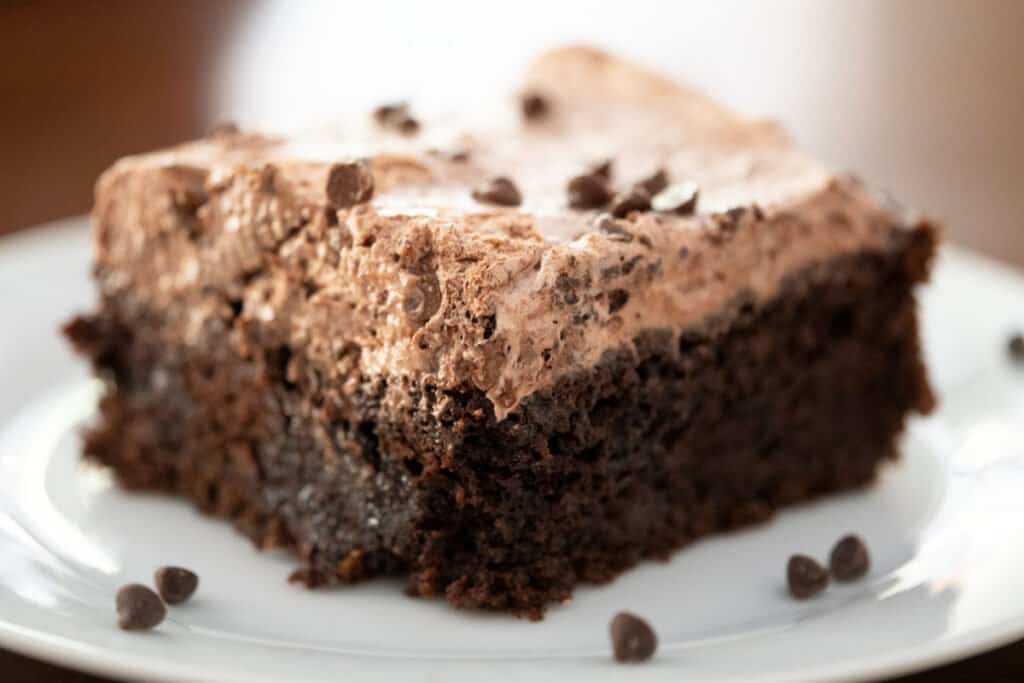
127 77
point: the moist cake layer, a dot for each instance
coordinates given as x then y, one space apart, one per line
390 368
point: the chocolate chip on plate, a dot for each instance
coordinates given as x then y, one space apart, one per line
534 106
349 183
1016 347
624 203
849 559
500 190
680 198
654 183
588 191
175 584
806 577
138 608
633 640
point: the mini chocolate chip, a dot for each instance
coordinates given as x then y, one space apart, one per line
849 559
391 113
735 214
806 577
175 584
138 608
758 212
349 184
654 183
1016 348
680 198
407 125
624 203
608 225
397 117
617 298
603 169
534 106
633 640
501 191
588 191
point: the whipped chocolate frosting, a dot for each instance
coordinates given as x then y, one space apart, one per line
414 280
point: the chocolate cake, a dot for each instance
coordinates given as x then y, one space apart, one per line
506 357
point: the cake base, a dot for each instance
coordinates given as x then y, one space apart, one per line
762 406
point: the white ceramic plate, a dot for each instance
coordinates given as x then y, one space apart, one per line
944 527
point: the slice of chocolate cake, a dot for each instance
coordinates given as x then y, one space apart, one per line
502 359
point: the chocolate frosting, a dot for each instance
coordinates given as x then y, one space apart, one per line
414 280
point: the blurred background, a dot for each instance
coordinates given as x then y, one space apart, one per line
923 97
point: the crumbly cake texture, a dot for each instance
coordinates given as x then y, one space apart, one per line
429 348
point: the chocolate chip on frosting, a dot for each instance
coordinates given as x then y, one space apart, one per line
654 183
407 125
500 190
396 116
389 114
588 191
617 298
609 226
603 169
534 106
624 203
349 183
680 198
735 215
